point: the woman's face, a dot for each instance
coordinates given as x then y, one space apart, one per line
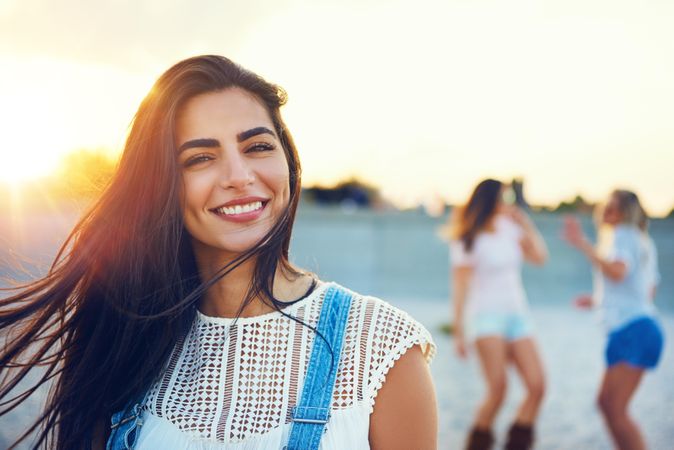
611 214
235 178
506 199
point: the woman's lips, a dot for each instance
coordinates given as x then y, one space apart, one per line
240 212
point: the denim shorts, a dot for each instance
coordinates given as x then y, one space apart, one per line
510 326
638 343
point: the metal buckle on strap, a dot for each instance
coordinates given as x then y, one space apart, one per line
317 421
122 422
135 413
321 415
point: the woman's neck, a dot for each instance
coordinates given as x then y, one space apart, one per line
225 297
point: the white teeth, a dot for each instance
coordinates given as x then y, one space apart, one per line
239 209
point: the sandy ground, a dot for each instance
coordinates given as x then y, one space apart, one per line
571 344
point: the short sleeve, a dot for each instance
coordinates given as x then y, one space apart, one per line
624 247
392 332
458 256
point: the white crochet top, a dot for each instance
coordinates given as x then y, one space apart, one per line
232 383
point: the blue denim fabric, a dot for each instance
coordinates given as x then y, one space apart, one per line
312 414
638 343
125 427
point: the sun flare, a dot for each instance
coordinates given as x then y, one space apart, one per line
27 155
17 169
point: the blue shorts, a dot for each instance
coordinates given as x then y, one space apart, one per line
637 343
510 326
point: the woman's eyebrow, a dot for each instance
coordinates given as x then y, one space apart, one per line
210 142
199 143
244 135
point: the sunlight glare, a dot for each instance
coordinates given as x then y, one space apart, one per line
18 168
28 153
45 119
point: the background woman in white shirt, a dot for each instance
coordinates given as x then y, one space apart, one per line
176 287
626 274
490 240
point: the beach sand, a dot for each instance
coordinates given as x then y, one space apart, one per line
571 343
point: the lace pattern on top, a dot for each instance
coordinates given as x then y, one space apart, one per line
230 380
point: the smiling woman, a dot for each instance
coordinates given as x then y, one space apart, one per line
235 174
174 305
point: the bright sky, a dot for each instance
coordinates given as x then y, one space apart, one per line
423 98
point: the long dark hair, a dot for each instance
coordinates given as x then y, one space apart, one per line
123 288
478 212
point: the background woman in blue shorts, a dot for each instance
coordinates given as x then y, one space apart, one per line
490 240
625 277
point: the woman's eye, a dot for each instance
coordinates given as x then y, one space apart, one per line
260 147
196 160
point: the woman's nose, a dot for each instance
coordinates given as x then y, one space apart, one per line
236 172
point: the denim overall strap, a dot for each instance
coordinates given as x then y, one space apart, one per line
313 412
125 426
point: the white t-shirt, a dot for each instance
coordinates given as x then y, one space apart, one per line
231 384
496 259
622 301
652 271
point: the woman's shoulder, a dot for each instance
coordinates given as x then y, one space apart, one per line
382 327
624 234
377 335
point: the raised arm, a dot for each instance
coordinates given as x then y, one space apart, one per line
533 246
405 413
574 235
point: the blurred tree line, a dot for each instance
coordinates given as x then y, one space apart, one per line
83 174
80 177
351 192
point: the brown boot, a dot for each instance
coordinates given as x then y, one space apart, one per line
520 437
480 439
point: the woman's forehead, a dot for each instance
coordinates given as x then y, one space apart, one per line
229 110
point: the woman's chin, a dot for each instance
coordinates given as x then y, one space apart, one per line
225 250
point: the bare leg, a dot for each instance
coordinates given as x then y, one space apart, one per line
620 382
525 355
493 354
